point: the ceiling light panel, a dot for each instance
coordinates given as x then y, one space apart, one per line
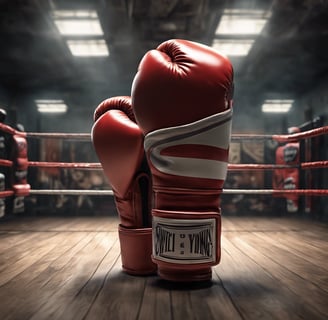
277 106
237 29
238 26
78 23
51 106
79 27
241 22
232 48
60 14
88 48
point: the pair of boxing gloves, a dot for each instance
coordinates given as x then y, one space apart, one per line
165 151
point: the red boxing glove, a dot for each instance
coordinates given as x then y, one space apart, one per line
118 142
20 166
288 178
182 99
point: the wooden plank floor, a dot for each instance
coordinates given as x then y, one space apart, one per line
69 268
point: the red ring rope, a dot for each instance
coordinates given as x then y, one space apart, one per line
86 136
282 137
6 193
82 136
309 192
10 130
302 135
231 167
5 163
66 136
255 167
77 165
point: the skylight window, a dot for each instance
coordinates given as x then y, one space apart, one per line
232 47
240 25
237 30
277 106
75 23
59 14
82 32
87 48
51 106
79 27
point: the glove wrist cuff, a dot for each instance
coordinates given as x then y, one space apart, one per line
136 250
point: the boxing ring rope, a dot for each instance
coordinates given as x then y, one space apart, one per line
87 136
255 167
231 167
282 137
77 192
66 136
75 165
5 163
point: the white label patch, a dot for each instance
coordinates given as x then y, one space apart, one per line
184 241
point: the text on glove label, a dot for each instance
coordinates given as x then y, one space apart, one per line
184 241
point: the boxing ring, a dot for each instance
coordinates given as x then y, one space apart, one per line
69 267
232 167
